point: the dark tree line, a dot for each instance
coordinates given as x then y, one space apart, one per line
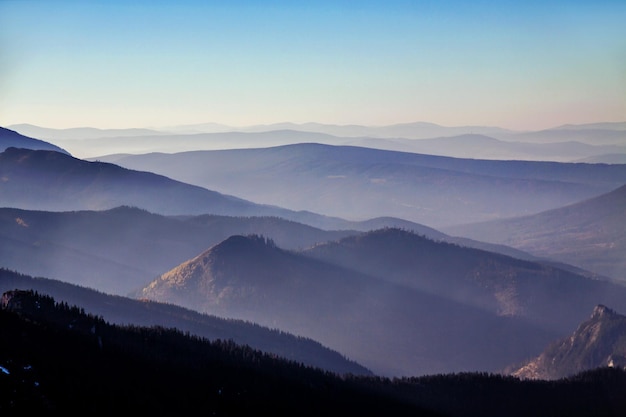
76 362
54 357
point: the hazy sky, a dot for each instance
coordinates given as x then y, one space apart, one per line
109 64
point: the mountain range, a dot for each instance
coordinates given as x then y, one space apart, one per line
565 143
48 180
378 287
358 183
121 249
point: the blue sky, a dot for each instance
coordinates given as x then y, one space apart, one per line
115 64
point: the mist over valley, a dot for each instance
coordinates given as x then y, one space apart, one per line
355 260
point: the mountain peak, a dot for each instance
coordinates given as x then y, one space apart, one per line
597 342
242 245
252 239
601 311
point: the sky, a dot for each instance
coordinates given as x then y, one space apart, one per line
521 65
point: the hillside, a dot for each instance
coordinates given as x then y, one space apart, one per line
361 183
539 292
391 328
590 234
598 342
12 139
128 311
340 294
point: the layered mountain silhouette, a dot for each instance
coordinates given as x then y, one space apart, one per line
487 147
360 183
565 143
122 249
592 133
79 133
590 234
598 342
12 139
127 311
399 301
417 298
47 180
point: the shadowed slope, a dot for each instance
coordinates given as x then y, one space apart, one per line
544 294
392 329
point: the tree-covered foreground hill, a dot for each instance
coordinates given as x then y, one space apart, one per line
55 357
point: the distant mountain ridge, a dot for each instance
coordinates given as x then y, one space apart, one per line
415 130
565 143
47 180
12 139
359 183
78 133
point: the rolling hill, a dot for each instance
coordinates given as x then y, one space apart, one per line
360 183
47 180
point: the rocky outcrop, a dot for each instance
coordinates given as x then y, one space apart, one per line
598 342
